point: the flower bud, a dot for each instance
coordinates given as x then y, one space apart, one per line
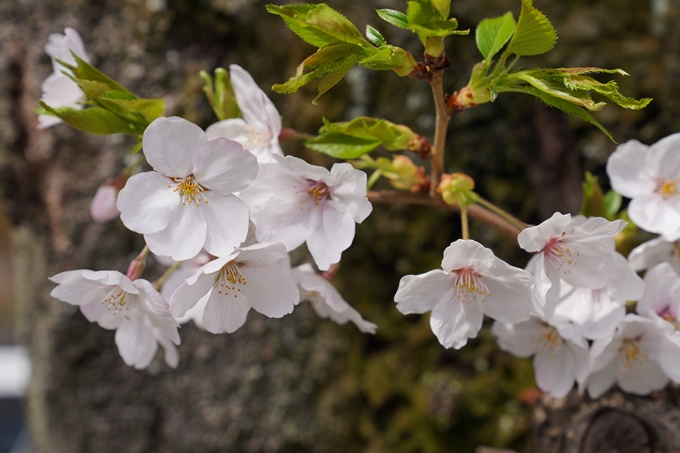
457 188
406 175
103 207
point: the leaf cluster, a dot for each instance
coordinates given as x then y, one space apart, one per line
220 94
112 108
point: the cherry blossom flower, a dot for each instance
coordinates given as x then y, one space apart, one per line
138 313
575 250
656 251
258 131
294 202
187 203
661 299
597 312
247 278
326 300
560 351
650 176
185 270
641 358
472 282
58 89
103 206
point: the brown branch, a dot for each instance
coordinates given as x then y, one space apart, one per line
476 212
441 122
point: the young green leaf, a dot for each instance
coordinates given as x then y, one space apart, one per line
396 18
375 37
424 19
492 34
220 94
592 202
319 25
609 90
569 108
443 7
612 203
95 120
150 109
86 71
557 89
534 34
342 146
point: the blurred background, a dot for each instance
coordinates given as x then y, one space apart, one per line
299 384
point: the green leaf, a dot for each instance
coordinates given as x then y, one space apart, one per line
150 109
612 203
592 203
427 22
557 89
569 108
137 148
375 37
94 120
86 71
396 18
352 139
492 34
387 57
534 34
342 146
319 25
609 90
443 7
330 64
220 94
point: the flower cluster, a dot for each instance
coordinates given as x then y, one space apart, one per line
196 205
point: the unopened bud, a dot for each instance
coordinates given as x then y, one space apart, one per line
406 175
457 188
420 145
409 65
136 268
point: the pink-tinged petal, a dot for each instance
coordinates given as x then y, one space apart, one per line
169 144
226 217
103 206
602 380
148 202
453 321
187 296
509 295
350 188
307 170
225 313
653 213
534 239
651 253
75 43
282 219
555 371
60 91
273 179
255 106
136 343
234 129
263 254
464 254
331 232
270 290
223 166
664 159
586 266
421 293
627 170
59 47
518 339
184 236
642 379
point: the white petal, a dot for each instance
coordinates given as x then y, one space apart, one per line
586 265
103 206
234 129
169 144
602 380
653 213
664 157
421 293
136 343
226 217
595 228
148 202
255 106
627 171
534 239
509 296
225 313
350 188
270 290
642 379
555 371
518 339
187 296
331 232
60 91
223 166
81 292
454 321
184 236
463 254
651 253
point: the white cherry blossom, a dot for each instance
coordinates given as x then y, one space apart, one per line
575 250
661 299
294 202
560 351
247 278
326 300
656 251
258 131
187 203
138 313
650 176
472 282
641 358
58 89
597 312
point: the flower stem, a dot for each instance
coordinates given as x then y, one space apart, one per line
463 219
373 179
507 216
441 122
158 284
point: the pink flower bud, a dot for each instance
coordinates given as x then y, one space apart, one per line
103 207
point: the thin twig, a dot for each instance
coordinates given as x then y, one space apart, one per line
476 212
441 122
506 215
158 284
